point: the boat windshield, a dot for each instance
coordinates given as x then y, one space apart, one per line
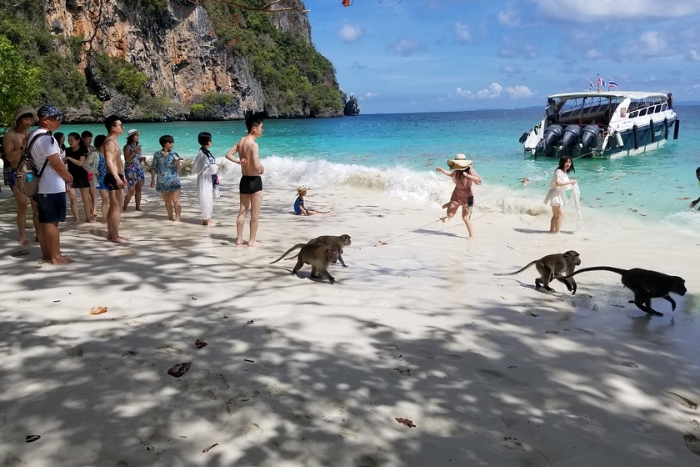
587 110
647 106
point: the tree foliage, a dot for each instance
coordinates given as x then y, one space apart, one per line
19 82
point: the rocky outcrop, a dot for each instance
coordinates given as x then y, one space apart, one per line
351 107
177 50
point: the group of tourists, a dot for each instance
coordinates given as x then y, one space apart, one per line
100 165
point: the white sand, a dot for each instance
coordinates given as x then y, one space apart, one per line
492 372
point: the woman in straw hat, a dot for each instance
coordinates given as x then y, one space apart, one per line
464 176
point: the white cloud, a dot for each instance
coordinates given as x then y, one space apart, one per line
367 96
462 32
496 90
511 69
694 54
648 45
406 47
616 10
593 54
652 44
508 17
511 48
350 32
491 92
518 92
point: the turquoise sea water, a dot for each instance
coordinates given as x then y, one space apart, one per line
397 154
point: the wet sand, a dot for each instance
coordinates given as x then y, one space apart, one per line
298 372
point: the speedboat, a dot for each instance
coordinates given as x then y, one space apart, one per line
603 124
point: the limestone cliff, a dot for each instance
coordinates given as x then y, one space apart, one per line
177 49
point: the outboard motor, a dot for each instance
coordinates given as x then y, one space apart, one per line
589 138
551 136
572 134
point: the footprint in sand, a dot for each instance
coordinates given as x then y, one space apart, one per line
366 461
692 443
74 352
15 462
512 444
496 378
171 349
208 386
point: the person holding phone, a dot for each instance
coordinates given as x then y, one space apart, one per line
135 177
165 176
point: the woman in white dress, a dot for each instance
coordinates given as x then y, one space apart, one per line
556 197
205 168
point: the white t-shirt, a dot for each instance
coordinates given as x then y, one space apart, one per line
44 147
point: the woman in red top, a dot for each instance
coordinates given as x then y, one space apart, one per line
464 176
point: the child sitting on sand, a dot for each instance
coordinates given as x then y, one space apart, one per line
299 204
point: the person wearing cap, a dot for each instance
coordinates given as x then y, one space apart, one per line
464 176
51 195
133 172
299 207
13 144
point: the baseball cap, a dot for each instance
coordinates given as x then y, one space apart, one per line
49 111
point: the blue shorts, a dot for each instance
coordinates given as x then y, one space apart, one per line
10 179
52 207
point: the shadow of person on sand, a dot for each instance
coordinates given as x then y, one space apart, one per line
534 231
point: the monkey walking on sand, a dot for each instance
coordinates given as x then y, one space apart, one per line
558 266
318 256
645 284
333 241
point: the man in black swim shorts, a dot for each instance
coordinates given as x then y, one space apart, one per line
251 182
250 185
111 183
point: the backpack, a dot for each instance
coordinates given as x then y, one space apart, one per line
26 175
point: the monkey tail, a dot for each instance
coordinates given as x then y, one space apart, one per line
298 245
518 271
596 268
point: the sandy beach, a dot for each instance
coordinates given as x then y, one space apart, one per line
298 372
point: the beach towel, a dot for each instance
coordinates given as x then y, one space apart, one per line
576 196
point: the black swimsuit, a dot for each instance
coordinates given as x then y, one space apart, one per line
250 184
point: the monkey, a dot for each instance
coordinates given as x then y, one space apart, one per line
318 256
645 284
338 242
552 267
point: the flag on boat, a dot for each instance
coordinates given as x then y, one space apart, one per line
600 82
590 82
611 83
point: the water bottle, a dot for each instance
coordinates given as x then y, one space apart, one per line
29 177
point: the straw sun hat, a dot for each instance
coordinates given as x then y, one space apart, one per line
460 162
133 131
301 188
25 111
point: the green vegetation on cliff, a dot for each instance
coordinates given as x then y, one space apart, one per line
296 79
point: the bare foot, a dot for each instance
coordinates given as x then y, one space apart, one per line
118 240
239 243
138 209
124 208
23 241
61 260
255 244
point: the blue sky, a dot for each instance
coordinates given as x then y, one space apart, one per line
451 55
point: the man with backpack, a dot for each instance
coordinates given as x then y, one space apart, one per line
55 179
13 144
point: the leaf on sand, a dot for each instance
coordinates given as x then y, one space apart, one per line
128 251
18 253
31 438
98 310
405 421
199 343
551 332
179 369
684 401
209 448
